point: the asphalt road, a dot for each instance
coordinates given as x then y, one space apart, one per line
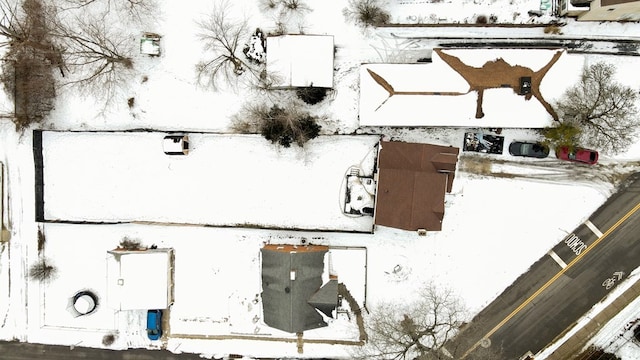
23 351
563 285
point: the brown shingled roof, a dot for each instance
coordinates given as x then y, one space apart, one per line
412 181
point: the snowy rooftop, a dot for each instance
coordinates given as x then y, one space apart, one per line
139 280
435 94
301 60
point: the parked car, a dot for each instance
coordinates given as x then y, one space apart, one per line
528 149
484 143
580 155
154 324
525 85
176 144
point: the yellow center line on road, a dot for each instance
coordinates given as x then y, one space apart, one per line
553 279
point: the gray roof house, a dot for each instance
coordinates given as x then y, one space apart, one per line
292 287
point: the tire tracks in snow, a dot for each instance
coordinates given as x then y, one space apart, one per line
604 177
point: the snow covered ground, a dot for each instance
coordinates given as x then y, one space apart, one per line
225 180
486 243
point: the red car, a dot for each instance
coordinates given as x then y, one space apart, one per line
580 155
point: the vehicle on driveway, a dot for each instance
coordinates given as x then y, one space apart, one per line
483 143
529 149
579 155
176 144
154 324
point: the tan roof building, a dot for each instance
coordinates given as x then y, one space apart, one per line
412 182
611 10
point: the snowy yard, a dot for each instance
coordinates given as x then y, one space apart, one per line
192 204
224 180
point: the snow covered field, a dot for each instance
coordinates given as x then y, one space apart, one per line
486 243
237 180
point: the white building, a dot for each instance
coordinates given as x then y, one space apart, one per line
140 279
300 60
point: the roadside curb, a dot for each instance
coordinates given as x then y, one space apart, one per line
572 347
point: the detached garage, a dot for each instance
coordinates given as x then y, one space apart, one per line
300 60
140 279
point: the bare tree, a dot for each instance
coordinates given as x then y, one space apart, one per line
27 64
98 55
604 110
12 26
223 38
138 10
418 330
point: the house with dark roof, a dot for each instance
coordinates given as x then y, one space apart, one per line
293 292
412 182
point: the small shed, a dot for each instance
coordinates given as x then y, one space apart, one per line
413 179
293 292
300 60
140 279
150 44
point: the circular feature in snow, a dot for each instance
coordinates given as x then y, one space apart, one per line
85 302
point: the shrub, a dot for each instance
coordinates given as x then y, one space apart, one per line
311 95
553 29
294 5
42 270
108 339
130 244
268 4
366 13
481 19
280 125
564 134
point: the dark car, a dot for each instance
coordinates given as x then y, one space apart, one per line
580 155
154 324
525 85
528 149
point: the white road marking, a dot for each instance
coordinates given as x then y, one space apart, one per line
555 257
593 228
